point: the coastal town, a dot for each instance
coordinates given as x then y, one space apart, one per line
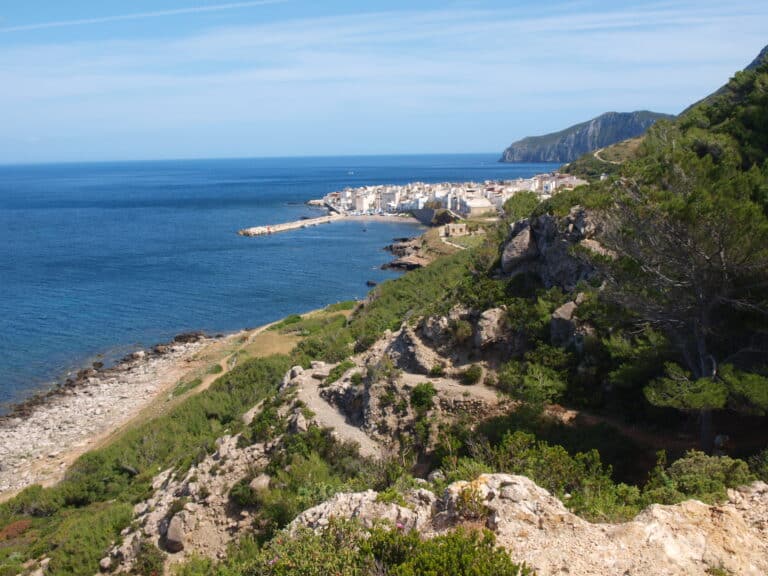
464 200
467 199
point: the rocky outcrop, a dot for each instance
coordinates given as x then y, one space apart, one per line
409 353
192 514
549 248
409 252
492 327
691 538
575 141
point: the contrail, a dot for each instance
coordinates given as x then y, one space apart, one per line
140 15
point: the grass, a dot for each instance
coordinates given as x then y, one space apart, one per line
621 151
183 387
468 241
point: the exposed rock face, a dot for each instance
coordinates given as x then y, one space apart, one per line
208 522
577 140
410 354
174 537
690 538
544 246
492 327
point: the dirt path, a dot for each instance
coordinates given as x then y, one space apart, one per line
330 417
596 154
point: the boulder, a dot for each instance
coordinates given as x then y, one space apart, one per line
520 248
105 564
435 329
408 352
260 483
492 327
174 537
543 246
561 325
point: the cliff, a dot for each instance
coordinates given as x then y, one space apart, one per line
573 142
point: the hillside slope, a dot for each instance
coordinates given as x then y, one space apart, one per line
569 144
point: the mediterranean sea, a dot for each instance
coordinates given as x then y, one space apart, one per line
97 260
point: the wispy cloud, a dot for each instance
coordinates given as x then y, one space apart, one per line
451 79
139 15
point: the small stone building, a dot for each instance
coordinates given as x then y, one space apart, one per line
455 229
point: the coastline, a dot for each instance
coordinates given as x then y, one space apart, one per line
44 435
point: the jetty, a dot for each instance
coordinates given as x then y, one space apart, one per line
286 226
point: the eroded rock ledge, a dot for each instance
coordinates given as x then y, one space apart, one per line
685 539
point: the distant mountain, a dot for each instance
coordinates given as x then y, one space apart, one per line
759 60
752 66
573 142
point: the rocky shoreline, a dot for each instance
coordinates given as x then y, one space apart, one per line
44 434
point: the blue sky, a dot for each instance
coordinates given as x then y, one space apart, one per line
86 80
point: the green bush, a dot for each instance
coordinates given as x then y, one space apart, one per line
530 382
356 379
82 538
458 553
421 397
695 475
461 331
437 370
215 369
338 371
520 206
149 560
471 375
346 548
411 295
758 464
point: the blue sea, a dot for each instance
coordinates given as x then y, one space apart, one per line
99 259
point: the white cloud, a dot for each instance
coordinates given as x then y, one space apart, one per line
501 74
137 16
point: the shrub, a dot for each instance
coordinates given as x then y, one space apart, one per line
215 369
356 379
461 330
458 553
421 397
696 475
469 504
346 548
520 206
530 382
437 370
471 375
149 560
338 371
758 464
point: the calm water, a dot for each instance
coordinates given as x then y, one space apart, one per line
104 258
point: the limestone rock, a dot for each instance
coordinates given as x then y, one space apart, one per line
543 246
562 327
689 538
408 352
260 483
520 248
492 327
174 538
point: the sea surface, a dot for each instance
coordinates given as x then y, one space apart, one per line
97 260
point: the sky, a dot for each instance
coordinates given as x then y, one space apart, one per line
113 80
